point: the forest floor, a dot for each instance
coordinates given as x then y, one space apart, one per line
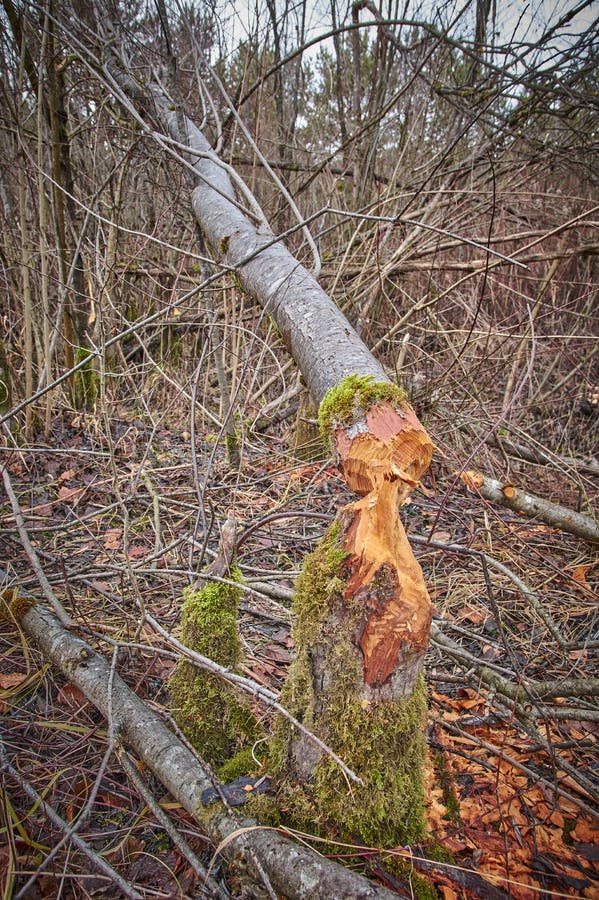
116 527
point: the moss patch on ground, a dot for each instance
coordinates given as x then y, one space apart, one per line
383 742
353 397
208 710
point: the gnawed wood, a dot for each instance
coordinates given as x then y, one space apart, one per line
388 580
383 456
388 444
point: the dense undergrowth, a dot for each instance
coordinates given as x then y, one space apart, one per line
121 474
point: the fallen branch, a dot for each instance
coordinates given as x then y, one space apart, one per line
530 505
294 871
30 551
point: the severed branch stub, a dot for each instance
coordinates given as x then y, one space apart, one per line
532 506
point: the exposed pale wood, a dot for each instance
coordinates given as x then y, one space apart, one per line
383 457
386 577
386 444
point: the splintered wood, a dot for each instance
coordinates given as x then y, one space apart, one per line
383 458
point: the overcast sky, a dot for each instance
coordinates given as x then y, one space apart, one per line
515 22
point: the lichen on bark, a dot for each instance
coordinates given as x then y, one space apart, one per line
218 722
383 742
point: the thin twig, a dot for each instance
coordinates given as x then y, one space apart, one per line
32 555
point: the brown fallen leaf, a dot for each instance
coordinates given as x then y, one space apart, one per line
12 680
70 495
70 695
112 538
67 475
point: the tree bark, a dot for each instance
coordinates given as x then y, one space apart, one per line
532 506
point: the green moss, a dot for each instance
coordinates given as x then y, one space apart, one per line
318 581
243 763
353 396
264 808
569 826
14 605
440 854
232 445
382 742
86 380
421 887
208 710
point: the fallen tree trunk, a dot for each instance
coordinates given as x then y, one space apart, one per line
294 870
363 630
532 506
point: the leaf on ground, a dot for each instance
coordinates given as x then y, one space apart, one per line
70 695
138 551
67 475
579 575
112 539
12 680
278 653
70 494
584 833
476 616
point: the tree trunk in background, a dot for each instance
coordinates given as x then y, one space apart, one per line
48 83
363 609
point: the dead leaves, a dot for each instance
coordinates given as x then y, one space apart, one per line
113 538
503 820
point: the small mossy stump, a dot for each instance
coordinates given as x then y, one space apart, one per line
213 717
363 619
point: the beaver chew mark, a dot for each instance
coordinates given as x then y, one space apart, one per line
392 445
386 581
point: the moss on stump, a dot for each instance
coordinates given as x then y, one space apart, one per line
210 713
382 742
353 397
